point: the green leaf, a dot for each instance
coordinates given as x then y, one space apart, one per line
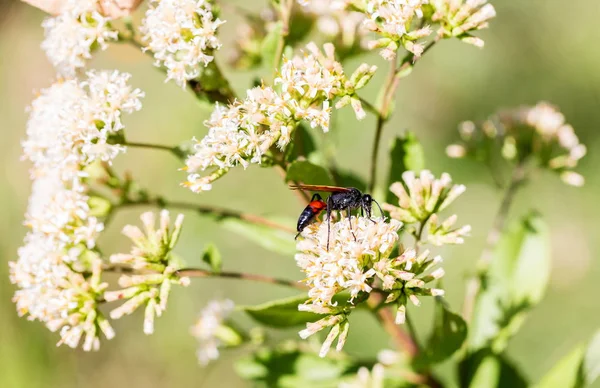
304 145
306 172
349 179
268 47
515 282
274 240
484 369
281 313
580 368
406 153
212 257
448 334
288 367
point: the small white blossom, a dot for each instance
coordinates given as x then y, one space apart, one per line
182 36
420 197
71 35
151 254
206 330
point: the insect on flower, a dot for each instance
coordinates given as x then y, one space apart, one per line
341 198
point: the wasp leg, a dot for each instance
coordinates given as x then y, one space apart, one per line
329 207
349 214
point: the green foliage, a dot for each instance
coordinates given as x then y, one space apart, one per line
485 369
304 145
290 367
268 47
515 282
212 257
580 368
274 240
448 334
309 173
406 153
281 313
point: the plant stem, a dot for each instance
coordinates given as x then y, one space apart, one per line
388 95
210 210
201 273
474 284
285 11
412 331
174 150
402 340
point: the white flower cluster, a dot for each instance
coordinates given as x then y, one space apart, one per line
50 271
71 122
151 256
393 20
58 272
349 263
459 17
71 36
540 131
337 21
357 258
420 197
243 132
182 36
208 328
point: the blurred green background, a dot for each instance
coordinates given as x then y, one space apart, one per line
535 50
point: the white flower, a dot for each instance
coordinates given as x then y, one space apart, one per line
182 36
70 123
150 254
420 197
206 329
71 35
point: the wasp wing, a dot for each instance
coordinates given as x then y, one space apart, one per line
323 188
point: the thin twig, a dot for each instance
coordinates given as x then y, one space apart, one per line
210 210
201 273
174 150
285 11
474 284
388 96
412 331
402 340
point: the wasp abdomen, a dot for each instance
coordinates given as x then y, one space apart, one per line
310 212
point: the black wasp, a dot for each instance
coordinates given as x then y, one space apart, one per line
341 198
